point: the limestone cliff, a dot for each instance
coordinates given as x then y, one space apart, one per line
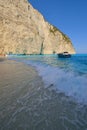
24 30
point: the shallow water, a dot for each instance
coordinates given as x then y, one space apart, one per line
59 104
67 75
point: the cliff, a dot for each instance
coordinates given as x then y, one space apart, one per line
23 30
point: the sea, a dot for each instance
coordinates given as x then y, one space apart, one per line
66 81
67 75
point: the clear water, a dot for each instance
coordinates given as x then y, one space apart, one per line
68 75
61 104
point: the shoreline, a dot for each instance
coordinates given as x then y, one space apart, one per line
14 68
26 104
18 82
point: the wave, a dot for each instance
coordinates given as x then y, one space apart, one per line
69 82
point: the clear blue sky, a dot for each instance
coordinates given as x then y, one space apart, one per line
70 16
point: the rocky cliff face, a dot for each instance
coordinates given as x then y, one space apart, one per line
24 30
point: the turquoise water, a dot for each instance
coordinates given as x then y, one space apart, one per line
67 75
58 104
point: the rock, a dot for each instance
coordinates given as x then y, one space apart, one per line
23 30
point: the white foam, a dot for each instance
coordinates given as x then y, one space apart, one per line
68 82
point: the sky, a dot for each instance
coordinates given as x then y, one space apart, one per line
70 16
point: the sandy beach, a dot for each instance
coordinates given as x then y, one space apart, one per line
17 83
25 104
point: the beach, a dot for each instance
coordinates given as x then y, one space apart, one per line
26 104
17 82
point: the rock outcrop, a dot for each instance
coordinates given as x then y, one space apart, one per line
23 30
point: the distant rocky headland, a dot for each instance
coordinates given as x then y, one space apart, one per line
23 30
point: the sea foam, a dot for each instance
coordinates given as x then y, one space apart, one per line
70 83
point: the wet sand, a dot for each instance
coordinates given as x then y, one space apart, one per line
25 104
17 82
